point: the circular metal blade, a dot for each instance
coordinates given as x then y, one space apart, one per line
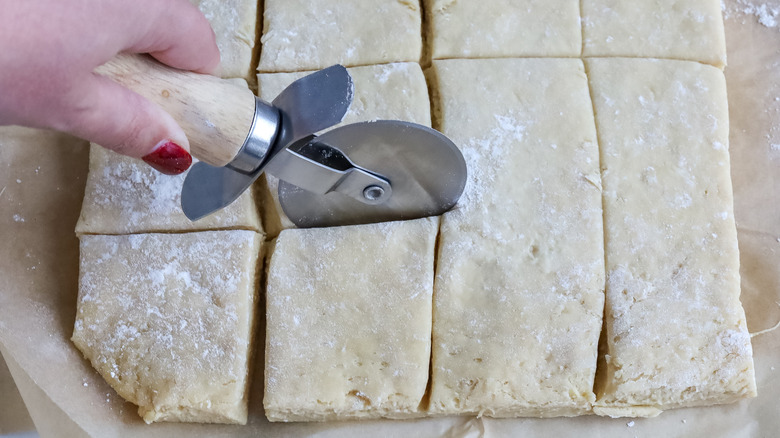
426 170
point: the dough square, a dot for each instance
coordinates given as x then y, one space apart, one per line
167 320
675 328
348 313
518 299
305 35
677 29
503 28
124 195
396 91
235 26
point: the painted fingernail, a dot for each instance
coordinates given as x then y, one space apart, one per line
169 158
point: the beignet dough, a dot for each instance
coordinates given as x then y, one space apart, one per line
676 29
675 329
167 320
348 331
124 195
390 91
518 299
503 28
305 35
234 23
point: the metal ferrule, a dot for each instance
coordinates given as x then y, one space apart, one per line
259 140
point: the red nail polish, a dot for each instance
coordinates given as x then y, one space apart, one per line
169 158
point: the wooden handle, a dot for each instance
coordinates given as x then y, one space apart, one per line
216 114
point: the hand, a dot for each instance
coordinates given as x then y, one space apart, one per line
49 49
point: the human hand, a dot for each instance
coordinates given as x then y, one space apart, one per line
49 49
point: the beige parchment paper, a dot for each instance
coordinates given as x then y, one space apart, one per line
42 178
14 417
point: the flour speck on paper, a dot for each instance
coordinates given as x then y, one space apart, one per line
766 12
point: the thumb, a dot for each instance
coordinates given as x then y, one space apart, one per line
119 119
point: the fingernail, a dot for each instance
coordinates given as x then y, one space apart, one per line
169 158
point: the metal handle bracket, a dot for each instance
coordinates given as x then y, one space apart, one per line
321 169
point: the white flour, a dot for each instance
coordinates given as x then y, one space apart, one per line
767 12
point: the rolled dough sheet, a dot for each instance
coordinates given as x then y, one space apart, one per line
348 331
124 195
519 295
676 29
503 28
167 320
675 328
390 91
234 23
304 35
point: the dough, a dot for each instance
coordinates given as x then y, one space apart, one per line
167 320
234 23
676 29
390 91
503 28
518 299
124 195
675 328
348 331
305 35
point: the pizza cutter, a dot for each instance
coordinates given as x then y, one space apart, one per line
366 172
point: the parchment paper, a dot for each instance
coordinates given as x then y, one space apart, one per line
14 417
42 181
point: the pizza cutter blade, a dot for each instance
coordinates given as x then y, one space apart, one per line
360 173
384 170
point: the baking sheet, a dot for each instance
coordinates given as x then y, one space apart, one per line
42 177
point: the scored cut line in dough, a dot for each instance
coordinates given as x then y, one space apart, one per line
518 298
675 329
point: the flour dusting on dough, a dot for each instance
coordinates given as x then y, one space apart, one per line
124 195
166 318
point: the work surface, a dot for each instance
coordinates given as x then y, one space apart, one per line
41 186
